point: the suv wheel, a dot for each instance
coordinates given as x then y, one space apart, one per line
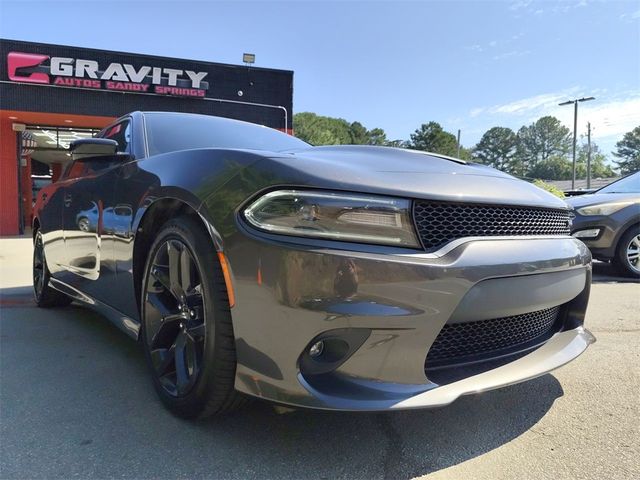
628 253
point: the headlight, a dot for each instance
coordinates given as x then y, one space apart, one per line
347 217
603 208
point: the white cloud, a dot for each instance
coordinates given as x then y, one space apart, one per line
611 116
630 16
512 53
520 4
537 102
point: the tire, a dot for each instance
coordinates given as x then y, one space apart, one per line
187 334
45 296
627 258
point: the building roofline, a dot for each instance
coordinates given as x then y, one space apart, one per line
101 50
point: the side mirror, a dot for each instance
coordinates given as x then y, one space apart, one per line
93 147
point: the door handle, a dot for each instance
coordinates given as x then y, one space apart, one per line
67 199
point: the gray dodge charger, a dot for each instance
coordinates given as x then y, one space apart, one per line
248 263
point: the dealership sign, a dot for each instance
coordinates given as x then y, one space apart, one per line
81 73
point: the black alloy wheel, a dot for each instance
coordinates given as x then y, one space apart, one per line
175 317
38 266
186 330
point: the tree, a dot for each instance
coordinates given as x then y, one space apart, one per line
552 168
498 148
599 168
397 143
320 130
358 134
543 139
628 151
430 137
377 137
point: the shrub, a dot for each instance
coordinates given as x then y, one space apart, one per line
549 188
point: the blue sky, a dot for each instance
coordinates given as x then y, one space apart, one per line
388 64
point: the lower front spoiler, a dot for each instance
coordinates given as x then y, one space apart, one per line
556 352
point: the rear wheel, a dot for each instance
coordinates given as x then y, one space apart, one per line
628 252
45 296
186 323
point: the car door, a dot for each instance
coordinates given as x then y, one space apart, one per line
49 205
88 239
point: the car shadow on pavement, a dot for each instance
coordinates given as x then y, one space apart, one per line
91 406
395 445
605 272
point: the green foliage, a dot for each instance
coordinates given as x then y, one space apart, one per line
377 137
543 139
498 148
599 169
549 188
552 168
430 137
628 151
319 130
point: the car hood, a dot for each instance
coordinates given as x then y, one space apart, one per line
408 173
597 198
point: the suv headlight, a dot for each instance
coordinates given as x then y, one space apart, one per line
603 208
350 217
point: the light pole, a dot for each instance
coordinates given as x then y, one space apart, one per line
575 131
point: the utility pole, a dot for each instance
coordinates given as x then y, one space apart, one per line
458 145
588 155
575 131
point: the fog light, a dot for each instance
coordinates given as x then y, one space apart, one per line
590 233
316 349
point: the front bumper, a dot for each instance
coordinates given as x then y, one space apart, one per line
289 296
603 246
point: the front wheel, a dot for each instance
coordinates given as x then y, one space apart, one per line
45 296
628 252
186 332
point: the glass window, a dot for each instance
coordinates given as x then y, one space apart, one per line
74 170
121 133
168 132
630 184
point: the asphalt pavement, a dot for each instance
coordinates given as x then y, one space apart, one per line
76 402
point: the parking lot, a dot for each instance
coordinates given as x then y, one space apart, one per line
76 402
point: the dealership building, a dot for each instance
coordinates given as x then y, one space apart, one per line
53 94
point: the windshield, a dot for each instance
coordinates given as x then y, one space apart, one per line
630 184
168 132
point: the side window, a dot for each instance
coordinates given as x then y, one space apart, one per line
121 133
74 170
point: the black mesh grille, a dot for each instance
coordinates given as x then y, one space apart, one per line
470 339
440 222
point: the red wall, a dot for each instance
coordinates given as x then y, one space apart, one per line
8 179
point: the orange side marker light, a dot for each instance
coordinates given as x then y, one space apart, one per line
227 278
